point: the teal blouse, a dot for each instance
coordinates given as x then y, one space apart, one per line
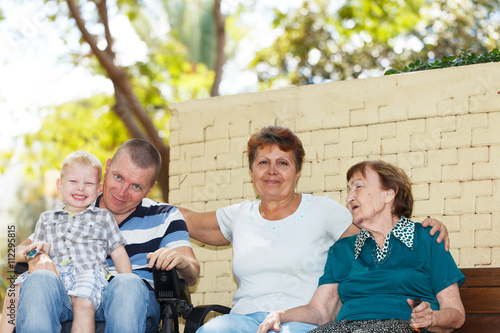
374 282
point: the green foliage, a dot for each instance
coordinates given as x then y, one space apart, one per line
86 124
325 41
466 57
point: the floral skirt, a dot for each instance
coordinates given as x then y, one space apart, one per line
365 326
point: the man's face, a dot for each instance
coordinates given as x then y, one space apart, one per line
125 185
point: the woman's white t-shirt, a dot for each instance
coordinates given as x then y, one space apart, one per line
277 264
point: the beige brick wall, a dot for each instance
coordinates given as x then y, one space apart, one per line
441 126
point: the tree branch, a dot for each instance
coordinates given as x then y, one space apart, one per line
221 41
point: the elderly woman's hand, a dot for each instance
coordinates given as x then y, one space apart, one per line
272 322
421 316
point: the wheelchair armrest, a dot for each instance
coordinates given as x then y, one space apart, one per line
198 314
20 267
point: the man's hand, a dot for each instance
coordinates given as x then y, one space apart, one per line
41 261
40 246
166 259
182 258
438 226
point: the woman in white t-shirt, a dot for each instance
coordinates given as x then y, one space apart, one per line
280 242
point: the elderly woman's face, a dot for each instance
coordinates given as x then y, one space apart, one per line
367 200
274 173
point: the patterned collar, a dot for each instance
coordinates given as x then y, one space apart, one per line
404 231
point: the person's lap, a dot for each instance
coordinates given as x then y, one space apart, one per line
127 305
239 323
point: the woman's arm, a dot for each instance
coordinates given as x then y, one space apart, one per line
204 227
450 316
320 310
121 260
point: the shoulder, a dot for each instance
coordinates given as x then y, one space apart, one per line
343 247
330 208
244 206
149 207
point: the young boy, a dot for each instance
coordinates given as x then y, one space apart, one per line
78 237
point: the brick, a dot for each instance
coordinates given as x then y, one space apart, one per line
438 193
420 191
432 170
218 268
216 147
466 203
467 157
431 138
471 256
203 163
346 138
491 234
490 169
491 203
320 138
462 136
226 283
404 132
485 97
205 253
452 106
368 114
375 134
218 131
222 298
495 257
488 136
408 161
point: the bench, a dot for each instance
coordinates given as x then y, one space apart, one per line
480 295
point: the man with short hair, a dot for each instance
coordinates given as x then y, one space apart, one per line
156 235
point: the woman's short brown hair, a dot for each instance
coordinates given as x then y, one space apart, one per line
391 177
283 137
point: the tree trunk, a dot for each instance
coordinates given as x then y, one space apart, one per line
127 106
220 31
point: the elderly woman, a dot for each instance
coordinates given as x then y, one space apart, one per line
375 277
280 242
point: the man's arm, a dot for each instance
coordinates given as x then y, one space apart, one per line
203 227
121 260
182 258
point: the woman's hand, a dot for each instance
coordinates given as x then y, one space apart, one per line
421 316
272 322
438 226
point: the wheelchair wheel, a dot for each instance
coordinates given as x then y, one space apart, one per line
168 321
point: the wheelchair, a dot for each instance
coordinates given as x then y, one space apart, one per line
174 299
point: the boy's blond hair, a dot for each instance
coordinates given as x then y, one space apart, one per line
82 158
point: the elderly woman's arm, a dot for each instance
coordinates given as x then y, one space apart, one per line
450 316
204 227
322 308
